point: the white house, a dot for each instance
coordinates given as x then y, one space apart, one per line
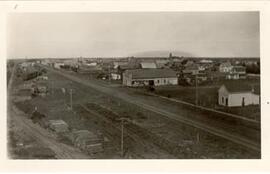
91 64
192 69
151 77
225 67
237 72
58 65
148 65
206 61
115 76
233 95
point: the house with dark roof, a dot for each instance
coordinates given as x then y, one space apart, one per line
235 95
162 63
149 77
191 69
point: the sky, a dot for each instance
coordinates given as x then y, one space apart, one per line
121 34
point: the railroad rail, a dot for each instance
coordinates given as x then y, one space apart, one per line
130 132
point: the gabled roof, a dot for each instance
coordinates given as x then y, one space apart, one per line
128 66
151 73
233 87
148 65
225 64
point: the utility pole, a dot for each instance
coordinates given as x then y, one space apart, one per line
122 137
123 119
71 99
110 73
196 88
198 137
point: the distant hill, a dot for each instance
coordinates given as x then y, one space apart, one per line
161 54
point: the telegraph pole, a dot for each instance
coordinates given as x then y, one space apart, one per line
123 119
71 99
196 99
110 73
122 137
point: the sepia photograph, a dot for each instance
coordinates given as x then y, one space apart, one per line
134 85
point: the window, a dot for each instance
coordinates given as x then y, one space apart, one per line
158 81
132 82
222 100
164 80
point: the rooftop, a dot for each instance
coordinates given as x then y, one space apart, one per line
151 73
224 64
148 65
236 87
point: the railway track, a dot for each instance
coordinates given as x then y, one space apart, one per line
139 140
236 138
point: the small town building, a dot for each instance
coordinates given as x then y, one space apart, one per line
91 64
205 61
149 77
58 65
192 69
225 67
237 72
189 63
148 65
162 63
115 76
116 64
233 95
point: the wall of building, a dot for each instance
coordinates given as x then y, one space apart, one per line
128 81
222 93
236 99
225 69
115 76
165 81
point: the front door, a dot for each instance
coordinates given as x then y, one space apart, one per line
226 101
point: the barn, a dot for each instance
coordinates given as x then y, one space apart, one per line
238 95
149 77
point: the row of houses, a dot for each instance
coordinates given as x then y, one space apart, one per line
187 71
